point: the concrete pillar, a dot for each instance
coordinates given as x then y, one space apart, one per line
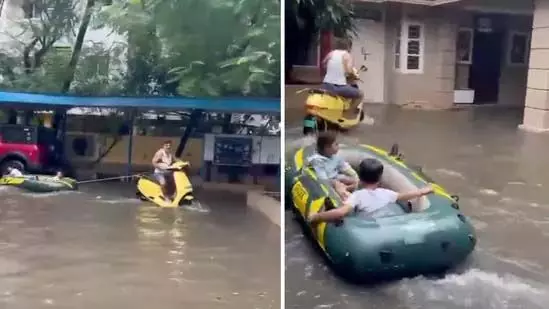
446 64
536 111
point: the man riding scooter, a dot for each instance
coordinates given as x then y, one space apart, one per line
339 65
161 162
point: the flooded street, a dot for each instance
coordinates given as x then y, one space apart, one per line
502 177
102 248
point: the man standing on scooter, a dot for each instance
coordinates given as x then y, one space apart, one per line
161 161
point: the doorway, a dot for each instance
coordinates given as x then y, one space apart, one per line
486 67
369 50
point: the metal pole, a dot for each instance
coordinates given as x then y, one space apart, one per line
131 122
64 129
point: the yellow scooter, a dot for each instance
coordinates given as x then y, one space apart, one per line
326 110
148 188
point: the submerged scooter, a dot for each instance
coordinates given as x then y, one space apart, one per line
326 110
149 189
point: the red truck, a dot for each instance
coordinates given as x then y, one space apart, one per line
31 149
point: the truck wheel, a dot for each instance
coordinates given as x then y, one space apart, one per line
12 163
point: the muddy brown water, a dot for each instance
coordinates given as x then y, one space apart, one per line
102 248
502 177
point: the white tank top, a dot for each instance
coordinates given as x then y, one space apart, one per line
335 72
166 159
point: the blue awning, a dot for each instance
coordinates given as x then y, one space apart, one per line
36 100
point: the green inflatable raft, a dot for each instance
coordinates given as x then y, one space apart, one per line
40 183
427 236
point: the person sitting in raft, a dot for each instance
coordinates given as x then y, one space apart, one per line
13 172
329 166
161 161
58 175
370 197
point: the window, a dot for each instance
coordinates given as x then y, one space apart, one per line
309 56
464 48
397 46
96 65
519 48
409 48
34 8
63 50
29 9
17 135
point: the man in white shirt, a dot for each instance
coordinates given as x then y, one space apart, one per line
13 172
339 65
370 197
161 161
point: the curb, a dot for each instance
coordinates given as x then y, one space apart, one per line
266 205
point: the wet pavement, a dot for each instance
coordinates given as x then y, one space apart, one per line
102 248
502 177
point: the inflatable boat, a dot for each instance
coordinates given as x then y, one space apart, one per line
428 235
40 183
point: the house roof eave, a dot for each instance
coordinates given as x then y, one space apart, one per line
417 2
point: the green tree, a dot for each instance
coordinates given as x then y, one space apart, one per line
203 47
305 19
46 22
39 56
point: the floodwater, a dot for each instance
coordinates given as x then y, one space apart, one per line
502 177
102 248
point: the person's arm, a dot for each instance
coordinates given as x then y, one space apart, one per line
335 214
340 188
345 168
325 60
156 158
348 63
320 171
406 196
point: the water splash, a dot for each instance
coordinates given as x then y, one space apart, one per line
489 192
118 201
49 194
474 289
6 188
451 173
197 206
368 120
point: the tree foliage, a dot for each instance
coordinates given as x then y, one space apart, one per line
305 19
171 47
321 15
202 47
39 51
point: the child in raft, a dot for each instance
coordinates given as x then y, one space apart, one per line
370 197
13 172
58 175
329 166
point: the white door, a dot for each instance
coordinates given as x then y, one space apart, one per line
369 50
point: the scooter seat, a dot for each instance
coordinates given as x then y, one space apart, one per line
323 91
150 178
